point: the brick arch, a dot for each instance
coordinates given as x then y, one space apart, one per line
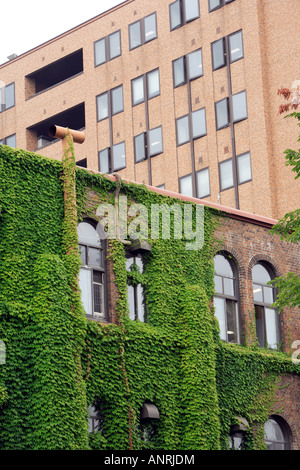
237 258
268 259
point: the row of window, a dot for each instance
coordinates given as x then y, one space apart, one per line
226 178
226 300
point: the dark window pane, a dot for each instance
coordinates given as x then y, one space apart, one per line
259 322
104 161
150 27
175 15
195 64
214 4
153 83
119 158
199 123
155 141
11 141
185 185
239 106
102 106
117 100
100 52
236 46
114 45
226 174
222 113
138 90
139 148
183 133
179 72
135 35
218 54
10 96
98 293
191 9
203 183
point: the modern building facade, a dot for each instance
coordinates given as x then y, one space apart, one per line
161 347
178 94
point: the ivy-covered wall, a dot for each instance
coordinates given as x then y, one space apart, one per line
58 363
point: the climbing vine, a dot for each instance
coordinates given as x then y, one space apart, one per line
58 363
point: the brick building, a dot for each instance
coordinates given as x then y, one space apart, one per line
157 366
180 94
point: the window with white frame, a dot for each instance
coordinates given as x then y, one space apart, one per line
135 289
226 298
266 317
92 271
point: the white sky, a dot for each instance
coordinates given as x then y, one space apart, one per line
26 24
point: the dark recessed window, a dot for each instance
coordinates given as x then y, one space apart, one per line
235 48
107 48
266 317
112 158
182 12
92 271
7 97
148 144
142 31
145 87
10 141
215 4
187 68
244 168
186 185
110 103
225 299
203 185
191 126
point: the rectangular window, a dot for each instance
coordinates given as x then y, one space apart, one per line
244 168
187 67
110 103
199 123
186 185
145 87
182 12
222 113
183 131
7 97
235 48
104 161
155 141
10 141
119 156
239 106
107 48
140 147
135 292
203 185
226 174
142 31
215 4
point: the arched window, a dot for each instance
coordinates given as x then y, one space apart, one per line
226 298
276 435
92 271
266 317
